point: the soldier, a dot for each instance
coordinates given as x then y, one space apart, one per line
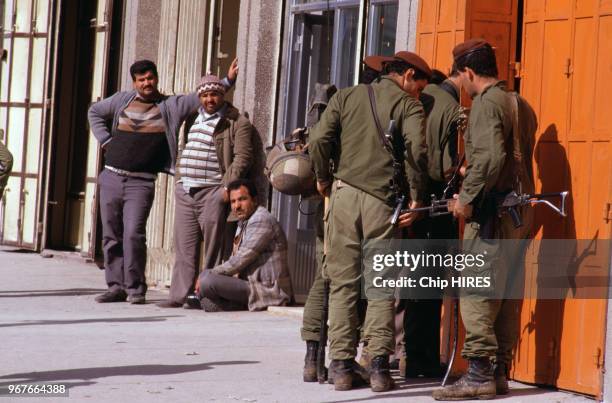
422 317
6 164
311 322
361 203
493 169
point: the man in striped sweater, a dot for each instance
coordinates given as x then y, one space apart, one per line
218 150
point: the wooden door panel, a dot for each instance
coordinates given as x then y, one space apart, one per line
601 185
498 7
532 10
446 17
580 165
532 65
605 7
444 56
558 9
582 81
555 91
603 89
427 15
585 8
426 47
499 35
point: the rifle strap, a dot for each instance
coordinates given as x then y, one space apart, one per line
381 133
517 154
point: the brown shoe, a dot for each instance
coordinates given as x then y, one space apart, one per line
380 376
477 383
501 378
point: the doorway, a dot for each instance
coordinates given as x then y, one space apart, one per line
71 144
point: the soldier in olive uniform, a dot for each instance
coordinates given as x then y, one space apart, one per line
493 169
362 201
422 317
6 164
313 309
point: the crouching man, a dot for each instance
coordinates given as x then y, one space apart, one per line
256 275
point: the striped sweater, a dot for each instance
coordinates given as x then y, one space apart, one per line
198 165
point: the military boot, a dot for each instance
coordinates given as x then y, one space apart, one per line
310 361
380 376
346 374
501 378
477 383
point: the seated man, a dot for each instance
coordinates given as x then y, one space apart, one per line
256 275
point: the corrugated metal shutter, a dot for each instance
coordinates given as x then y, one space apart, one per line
181 50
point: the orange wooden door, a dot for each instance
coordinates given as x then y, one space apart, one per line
567 78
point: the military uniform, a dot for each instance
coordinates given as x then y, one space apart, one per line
421 321
361 201
6 165
492 324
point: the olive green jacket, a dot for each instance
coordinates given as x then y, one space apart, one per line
489 144
441 129
347 134
6 164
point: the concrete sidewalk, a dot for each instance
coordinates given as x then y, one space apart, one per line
51 330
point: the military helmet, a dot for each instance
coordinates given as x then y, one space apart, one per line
289 168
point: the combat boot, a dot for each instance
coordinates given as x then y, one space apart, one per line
477 383
347 374
310 361
501 378
380 376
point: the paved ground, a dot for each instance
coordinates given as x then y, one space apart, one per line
51 330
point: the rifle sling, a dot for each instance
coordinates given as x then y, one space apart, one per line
381 134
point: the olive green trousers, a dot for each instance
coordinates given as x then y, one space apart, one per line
355 216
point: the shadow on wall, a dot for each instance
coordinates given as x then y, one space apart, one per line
554 174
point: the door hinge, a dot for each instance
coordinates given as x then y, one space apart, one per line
607 213
39 227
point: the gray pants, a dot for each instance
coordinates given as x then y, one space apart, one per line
200 215
125 203
222 288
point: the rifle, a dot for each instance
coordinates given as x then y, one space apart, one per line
507 203
399 183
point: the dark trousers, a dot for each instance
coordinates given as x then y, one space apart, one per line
200 215
220 288
125 203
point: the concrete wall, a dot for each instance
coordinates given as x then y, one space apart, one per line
406 25
140 36
258 51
